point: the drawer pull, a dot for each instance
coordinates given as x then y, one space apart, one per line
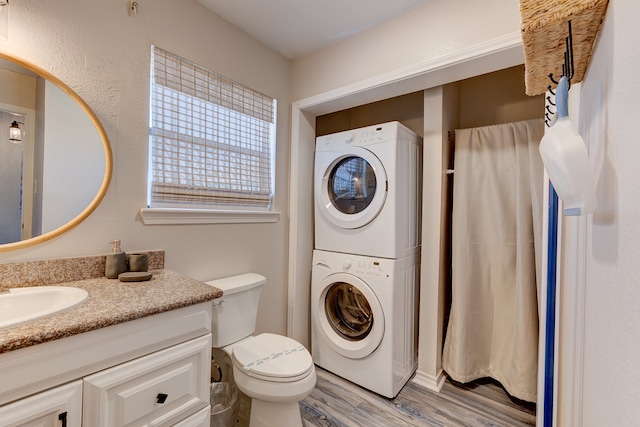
63 419
161 398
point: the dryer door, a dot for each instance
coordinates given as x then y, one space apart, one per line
349 316
351 190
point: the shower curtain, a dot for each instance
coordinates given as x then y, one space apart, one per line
496 242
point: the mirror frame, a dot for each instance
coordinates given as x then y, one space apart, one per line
106 145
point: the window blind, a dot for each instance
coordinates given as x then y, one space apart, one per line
211 137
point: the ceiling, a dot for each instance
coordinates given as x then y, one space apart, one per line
296 28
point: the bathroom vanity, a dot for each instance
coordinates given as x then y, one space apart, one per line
134 353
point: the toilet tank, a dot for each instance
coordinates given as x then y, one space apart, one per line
234 313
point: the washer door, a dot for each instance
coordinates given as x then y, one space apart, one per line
349 316
353 189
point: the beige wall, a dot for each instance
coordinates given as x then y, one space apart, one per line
17 89
608 122
423 33
103 54
497 98
407 109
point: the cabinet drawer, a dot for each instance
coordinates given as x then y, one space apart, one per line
46 408
155 390
202 418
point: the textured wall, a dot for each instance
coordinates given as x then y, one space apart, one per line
423 33
103 54
608 122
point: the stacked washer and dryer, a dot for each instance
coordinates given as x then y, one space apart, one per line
364 287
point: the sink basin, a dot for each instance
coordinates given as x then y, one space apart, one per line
21 305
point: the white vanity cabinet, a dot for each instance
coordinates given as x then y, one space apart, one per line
152 371
162 388
60 406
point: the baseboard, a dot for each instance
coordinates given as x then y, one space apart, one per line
430 382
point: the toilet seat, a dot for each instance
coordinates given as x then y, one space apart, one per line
274 358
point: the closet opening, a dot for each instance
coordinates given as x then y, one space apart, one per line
491 99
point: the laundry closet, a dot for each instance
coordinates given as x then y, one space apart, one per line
434 114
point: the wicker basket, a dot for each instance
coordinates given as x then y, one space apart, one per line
544 30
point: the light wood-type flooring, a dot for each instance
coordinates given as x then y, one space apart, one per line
339 403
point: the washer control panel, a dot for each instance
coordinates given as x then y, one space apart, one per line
365 268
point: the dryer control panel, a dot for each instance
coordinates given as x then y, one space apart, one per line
361 137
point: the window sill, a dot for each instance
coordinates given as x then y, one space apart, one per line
156 216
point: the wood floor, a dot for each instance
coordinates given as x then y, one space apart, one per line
338 403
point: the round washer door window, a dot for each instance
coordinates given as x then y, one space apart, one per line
349 316
353 189
348 311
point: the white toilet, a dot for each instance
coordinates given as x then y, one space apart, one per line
276 372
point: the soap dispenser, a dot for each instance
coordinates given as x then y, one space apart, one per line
116 262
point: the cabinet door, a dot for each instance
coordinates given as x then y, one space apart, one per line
57 407
159 389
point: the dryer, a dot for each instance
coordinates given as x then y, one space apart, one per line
366 185
364 319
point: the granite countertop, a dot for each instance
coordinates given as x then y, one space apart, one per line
110 302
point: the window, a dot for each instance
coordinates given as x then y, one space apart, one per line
211 139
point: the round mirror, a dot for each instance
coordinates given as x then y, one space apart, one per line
56 157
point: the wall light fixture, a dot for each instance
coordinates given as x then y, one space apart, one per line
15 133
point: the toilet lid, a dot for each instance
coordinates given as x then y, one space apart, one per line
272 357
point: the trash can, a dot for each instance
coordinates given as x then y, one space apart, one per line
224 404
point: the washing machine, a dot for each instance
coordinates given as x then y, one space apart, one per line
364 319
366 185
